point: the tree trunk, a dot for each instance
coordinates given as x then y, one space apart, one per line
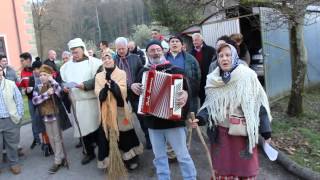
299 66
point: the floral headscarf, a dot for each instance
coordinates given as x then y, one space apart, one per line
226 75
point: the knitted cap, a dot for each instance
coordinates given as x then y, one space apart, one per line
47 69
153 42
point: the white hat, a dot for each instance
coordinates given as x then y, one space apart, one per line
77 42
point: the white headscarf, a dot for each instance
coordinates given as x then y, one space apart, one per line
77 42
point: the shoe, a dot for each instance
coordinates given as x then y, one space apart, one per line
34 143
87 159
46 150
54 168
16 169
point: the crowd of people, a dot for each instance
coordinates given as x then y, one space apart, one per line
98 97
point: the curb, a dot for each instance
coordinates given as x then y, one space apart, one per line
293 167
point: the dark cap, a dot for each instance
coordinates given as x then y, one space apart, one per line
37 63
152 42
176 37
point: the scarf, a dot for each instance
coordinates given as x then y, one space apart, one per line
124 65
226 75
111 115
243 89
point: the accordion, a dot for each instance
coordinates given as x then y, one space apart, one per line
158 96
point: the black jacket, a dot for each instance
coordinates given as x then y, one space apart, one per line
209 53
135 67
153 122
139 53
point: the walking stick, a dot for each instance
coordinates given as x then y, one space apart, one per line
204 145
77 123
60 133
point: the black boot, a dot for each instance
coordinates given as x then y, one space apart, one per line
46 150
87 158
50 150
34 143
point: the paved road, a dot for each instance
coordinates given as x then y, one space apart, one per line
34 165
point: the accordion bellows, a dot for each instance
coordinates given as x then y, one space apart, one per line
159 94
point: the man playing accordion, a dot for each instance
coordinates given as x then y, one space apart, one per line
163 130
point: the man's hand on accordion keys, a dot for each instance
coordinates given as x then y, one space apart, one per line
182 98
136 88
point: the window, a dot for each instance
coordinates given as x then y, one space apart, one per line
2 46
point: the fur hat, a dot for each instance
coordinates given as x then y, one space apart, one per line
153 42
47 69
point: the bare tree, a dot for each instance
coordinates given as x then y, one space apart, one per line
39 11
293 13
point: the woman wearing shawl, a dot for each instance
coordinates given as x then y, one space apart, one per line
233 96
123 145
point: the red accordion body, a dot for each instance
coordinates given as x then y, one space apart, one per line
159 95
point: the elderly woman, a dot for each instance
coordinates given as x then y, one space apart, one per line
236 110
221 40
111 89
66 56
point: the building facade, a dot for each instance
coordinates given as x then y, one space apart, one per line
17 33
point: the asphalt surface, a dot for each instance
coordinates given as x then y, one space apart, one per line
35 165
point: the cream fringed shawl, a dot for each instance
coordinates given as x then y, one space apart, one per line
243 89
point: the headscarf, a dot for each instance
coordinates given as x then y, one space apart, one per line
226 75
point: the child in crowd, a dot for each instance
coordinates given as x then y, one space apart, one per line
45 95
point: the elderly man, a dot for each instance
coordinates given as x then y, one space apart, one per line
52 56
204 55
131 64
162 131
133 48
11 112
76 73
8 72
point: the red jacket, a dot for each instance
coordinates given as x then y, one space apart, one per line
26 73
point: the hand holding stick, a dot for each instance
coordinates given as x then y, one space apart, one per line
193 125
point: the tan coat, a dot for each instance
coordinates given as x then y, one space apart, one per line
117 118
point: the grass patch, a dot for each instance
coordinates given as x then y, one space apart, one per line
26 116
299 137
